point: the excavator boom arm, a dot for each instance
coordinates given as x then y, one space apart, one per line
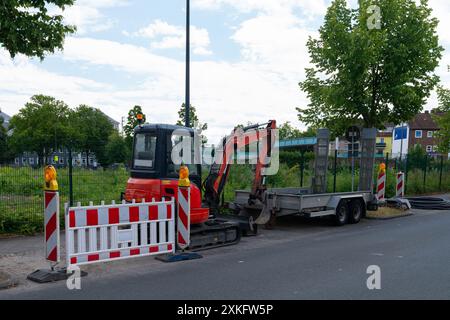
240 137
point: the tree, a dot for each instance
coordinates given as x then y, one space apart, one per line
369 75
442 117
416 157
41 126
27 27
132 121
90 130
287 132
193 121
117 150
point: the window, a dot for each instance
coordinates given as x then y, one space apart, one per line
382 140
430 134
24 160
17 160
429 148
176 144
61 160
31 160
144 151
418 134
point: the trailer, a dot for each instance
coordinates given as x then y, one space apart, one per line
345 207
312 202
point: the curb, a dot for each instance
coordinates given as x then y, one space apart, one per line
390 218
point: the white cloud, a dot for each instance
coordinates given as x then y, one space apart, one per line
308 7
167 36
263 85
441 9
87 15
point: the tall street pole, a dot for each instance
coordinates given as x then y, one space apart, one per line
188 98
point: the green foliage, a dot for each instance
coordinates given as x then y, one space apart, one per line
5 154
371 76
117 150
27 27
293 158
132 121
416 157
442 118
286 131
21 196
193 121
41 126
90 129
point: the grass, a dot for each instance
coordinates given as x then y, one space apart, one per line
386 212
21 196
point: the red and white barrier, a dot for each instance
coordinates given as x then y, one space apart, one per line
381 185
113 232
51 223
184 221
400 189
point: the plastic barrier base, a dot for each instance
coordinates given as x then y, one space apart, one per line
45 276
177 257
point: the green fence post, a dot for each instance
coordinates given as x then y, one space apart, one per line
302 167
387 170
440 172
335 169
406 172
70 178
425 173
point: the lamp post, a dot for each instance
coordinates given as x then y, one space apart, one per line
187 103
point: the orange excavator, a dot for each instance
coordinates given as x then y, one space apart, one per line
154 175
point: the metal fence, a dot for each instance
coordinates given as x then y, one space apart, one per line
21 188
423 173
21 193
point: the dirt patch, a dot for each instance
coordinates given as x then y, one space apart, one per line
387 213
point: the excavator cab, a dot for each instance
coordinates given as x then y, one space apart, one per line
154 175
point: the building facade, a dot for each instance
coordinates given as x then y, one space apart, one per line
421 130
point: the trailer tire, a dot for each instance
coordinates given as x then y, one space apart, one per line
356 211
342 213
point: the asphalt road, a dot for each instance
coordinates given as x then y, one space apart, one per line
298 260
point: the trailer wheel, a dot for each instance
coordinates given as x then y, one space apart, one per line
341 216
356 211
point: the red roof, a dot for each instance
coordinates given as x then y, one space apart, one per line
423 121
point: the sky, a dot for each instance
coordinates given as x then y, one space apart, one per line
248 57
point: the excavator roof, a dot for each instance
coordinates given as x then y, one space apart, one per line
159 126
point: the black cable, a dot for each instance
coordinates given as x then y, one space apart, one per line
429 203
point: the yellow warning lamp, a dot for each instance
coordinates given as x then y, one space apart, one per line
50 179
382 167
184 177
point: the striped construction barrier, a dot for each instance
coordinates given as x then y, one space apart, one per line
400 186
51 224
119 231
381 185
183 223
